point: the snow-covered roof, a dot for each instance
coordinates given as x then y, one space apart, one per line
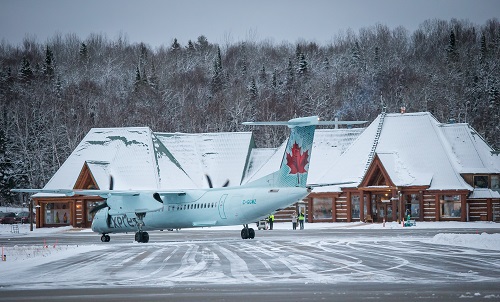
484 193
470 152
132 155
221 156
328 146
414 148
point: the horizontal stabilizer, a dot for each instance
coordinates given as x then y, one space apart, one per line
304 121
296 122
325 123
330 184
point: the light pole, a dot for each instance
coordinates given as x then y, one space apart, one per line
31 214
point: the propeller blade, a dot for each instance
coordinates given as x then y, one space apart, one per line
210 184
209 181
111 182
99 207
157 197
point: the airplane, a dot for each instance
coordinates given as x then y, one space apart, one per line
141 211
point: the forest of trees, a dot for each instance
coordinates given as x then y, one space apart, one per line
52 93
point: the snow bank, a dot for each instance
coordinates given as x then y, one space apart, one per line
477 241
21 257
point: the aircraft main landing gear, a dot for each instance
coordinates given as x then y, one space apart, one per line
105 238
247 233
142 237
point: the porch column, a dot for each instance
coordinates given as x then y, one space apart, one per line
402 206
361 206
334 208
394 205
489 209
369 204
421 205
349 207
463 212
437 206
72 206
309 210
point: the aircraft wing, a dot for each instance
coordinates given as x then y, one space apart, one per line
70 192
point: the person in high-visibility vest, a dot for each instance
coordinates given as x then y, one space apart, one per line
301 220
271 220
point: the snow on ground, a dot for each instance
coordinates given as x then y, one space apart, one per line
52 251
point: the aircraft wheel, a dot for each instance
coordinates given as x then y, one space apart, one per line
103 238
251 233
244 234
107 238
142 237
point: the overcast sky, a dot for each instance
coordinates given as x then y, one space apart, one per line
158 22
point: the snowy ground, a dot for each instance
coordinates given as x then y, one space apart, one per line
441 260
478 240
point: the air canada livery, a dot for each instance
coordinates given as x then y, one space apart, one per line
140 211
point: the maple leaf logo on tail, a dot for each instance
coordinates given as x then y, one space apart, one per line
297 161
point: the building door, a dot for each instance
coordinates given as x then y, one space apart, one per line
384 207
384 212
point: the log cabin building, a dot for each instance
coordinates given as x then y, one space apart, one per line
402 163
411 164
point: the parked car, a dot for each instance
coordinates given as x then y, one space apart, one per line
8 218
24 217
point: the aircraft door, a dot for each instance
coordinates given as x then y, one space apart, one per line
222 200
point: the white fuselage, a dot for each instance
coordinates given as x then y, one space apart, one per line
202 208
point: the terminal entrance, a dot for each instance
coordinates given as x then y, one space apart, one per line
383 207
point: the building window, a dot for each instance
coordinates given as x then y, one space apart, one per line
322 208
495 182
480 181
355 207
57 213
412 205
451 206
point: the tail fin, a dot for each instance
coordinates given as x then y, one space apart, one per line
295 163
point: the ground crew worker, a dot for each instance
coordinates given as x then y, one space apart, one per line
301 220
294 220
271 220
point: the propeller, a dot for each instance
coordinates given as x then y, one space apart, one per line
210 182
104 204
